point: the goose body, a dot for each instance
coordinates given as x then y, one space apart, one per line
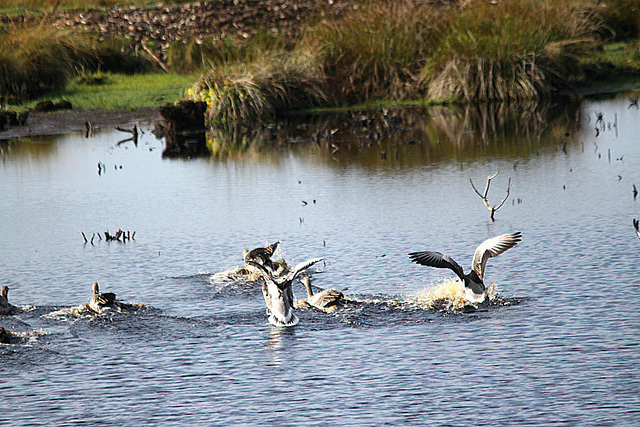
636 225
5 306
100 302
474 289
278 293
323 299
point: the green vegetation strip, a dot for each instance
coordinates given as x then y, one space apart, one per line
108 91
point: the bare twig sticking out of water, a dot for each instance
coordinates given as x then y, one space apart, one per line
120 236
484 196
134 135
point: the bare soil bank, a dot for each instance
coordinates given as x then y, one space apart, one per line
59 123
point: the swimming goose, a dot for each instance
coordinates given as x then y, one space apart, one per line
323 299
474 289
636 225
277 292
5 306
262 255
100 302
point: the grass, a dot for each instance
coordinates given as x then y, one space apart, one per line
378 50
190 56
397 51
513 50
264 89
122 92
36 59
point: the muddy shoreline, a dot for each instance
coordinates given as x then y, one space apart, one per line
63 122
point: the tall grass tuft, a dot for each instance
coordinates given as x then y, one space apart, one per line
377 50
517 49
35 59
262 89
195 55
38 58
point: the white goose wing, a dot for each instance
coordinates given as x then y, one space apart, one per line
493 247
438 260
299 268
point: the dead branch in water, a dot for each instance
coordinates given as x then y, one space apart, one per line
119 236
485 198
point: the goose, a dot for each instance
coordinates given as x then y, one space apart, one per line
5 306
261 255
636 225
100 302
474 289
277 292
323 299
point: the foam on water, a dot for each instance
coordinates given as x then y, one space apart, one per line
448 295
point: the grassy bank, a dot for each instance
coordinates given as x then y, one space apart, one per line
107 91
510 51
399 51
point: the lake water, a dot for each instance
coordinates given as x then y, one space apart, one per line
564 351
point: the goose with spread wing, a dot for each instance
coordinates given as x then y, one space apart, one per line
636 225
100 302
278 293
323 299
474 289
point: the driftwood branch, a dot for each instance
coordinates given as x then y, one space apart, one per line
485 195
155 58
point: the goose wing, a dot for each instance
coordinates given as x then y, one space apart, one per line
438 260
493 247
299 268
636 225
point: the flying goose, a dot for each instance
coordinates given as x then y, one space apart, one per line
636 225
323 299
5 306
100 302
277 292
474 289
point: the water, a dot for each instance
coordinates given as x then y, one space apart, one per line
200 350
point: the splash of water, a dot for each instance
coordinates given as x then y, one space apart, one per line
448 295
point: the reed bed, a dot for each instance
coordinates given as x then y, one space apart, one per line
262 89
377 51
36 59
511 51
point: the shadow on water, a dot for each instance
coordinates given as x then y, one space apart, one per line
406 136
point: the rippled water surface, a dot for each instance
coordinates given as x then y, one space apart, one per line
361 191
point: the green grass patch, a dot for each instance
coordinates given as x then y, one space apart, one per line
122 91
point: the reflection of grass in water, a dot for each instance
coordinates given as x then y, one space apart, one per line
448 295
